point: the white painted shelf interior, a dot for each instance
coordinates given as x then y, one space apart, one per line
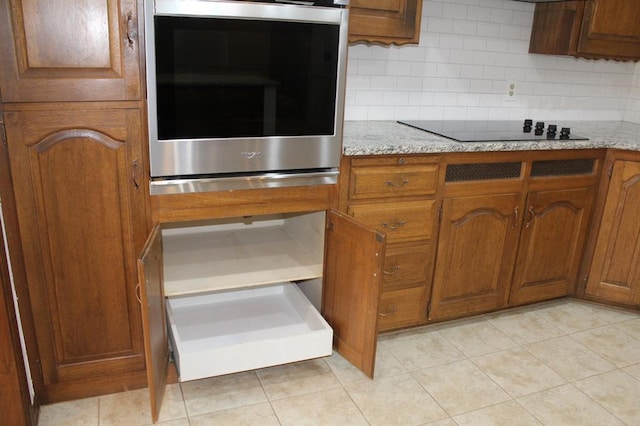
226 254
232 304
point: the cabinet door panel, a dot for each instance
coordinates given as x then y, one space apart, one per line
82 220
69 50
476 254
386 21
615 270
154 318
551 244
354 257
610 29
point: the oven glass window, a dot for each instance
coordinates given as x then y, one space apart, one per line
225 78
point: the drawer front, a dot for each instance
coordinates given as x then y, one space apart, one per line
393 181
405 221
401 308
407 266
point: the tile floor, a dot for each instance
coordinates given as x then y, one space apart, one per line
557 363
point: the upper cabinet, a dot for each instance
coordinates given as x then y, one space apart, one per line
596 29
67 50
385 21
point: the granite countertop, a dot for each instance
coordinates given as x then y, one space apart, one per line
390 137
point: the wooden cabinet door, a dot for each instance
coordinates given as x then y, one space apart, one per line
551 244
354 258
476 254
69 50
615 269
385 21
154 318
610 29
82 220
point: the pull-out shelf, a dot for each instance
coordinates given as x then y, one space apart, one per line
221 333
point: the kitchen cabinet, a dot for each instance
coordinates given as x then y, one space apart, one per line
385 21
229 289
69 51
614 273
396 195
512 232
590 29
81 206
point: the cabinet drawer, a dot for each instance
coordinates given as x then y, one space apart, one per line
407 266
401 308
227 332
404 221
393 181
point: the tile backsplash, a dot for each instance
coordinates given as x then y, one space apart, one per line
471 54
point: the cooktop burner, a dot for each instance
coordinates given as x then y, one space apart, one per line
491 131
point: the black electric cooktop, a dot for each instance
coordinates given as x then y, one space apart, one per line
491 131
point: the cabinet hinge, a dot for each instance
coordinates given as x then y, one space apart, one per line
610 172
3 134
440 213
428 309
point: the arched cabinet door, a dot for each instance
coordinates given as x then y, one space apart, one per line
551 245
477 248
82 218
615 270
69 50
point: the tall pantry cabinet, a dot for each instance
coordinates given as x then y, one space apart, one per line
71 98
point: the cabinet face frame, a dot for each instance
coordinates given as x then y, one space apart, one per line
350 297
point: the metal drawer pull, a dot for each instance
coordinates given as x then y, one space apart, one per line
395 226
402 183
532 215
392 310
395 269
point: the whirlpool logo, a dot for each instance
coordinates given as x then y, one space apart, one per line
249 155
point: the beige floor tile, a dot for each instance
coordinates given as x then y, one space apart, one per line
518 372
631 327
569 358
508 413
284 381
416 351
613 344
460 387
131 408
252 415
386 365
566 405
81 412
524 327
222 393
396 400
477 338
633 370
445 422
616 391
609 314
329 407
571 317
177 422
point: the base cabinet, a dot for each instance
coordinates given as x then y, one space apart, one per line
228 288
615 269
82 219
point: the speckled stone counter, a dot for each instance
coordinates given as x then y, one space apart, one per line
390 137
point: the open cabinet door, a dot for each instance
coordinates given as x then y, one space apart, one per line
354 258
154 319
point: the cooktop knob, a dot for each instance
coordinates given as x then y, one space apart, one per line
551 131
565 133
526 128
539 128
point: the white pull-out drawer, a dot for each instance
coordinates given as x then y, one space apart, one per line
221 333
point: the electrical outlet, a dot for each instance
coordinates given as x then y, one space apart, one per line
510 95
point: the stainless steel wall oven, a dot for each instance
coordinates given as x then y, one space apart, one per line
244 93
